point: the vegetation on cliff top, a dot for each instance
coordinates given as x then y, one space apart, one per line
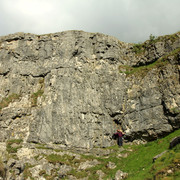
140 48
161 62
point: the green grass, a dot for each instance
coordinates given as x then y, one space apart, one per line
55 158
42 146
7 100
78 174
169 161
171 37
140 48
62 159
9 144
35 96
143 70
26 173
175 110
139 163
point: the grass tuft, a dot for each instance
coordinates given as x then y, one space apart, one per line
7 100
55 158
78 174
9 144
35 96
142 70
39 93
138 48
26 173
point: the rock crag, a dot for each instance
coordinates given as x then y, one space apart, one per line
76 88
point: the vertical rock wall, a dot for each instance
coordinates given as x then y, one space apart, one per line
76 88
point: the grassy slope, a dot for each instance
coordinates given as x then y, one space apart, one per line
139 164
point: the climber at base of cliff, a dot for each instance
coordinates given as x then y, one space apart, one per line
119 134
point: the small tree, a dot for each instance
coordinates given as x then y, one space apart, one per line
152 38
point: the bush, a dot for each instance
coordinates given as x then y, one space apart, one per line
151 37
138 48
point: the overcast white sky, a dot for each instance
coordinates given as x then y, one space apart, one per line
128 20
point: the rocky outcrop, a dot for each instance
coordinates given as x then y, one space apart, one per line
75 88
40 161
175 141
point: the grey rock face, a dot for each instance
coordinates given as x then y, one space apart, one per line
69 89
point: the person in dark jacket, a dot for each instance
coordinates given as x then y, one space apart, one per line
119 135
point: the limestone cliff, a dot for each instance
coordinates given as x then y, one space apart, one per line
76 88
